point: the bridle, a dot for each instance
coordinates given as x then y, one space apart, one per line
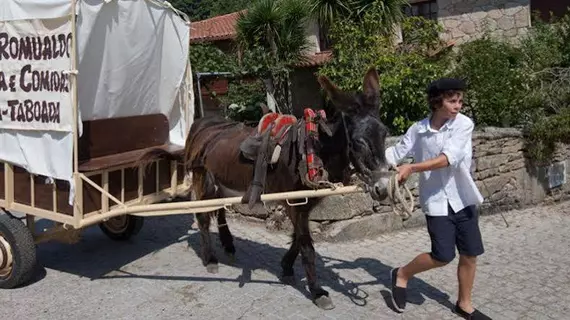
394 189
360 170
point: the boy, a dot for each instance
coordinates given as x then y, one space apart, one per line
441 147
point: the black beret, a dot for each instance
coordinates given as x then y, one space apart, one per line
445 84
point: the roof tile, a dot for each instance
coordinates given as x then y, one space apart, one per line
223 28
215 28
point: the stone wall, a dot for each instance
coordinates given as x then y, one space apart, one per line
466 20
504 176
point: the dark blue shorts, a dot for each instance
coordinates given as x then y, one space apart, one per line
457 229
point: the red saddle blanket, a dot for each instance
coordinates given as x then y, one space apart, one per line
281 122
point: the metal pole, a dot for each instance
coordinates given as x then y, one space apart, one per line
78 198
200 95
73 81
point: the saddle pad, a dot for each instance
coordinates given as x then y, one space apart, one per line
280 120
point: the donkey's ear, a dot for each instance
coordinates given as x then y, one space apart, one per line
339 99
329 87
371 85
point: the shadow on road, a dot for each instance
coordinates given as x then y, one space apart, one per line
97 257
417 288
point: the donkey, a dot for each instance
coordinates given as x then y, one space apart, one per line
212 156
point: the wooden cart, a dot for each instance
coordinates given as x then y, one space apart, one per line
89 79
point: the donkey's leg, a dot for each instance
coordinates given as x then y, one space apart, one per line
226 237
287 273
208 257
319 295
205 189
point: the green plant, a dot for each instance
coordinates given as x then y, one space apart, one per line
560 30
546 66
328 11
543 134
272 35
388 13
403 84
209 58
497 82
528 84
404 69
243 100
356 46
541 48
277 26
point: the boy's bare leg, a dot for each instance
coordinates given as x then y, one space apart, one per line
466 277
420 263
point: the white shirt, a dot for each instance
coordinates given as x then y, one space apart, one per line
453 184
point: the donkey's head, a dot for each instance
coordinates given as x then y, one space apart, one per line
360 132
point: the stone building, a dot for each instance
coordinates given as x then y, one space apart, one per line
465 20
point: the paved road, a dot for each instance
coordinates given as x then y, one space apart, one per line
523 275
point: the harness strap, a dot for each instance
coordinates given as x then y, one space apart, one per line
256 187
315 169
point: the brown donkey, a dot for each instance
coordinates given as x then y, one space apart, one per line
219 169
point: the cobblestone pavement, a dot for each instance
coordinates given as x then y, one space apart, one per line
158 275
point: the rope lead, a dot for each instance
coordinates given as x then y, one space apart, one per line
405 209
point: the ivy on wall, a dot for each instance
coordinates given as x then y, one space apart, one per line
209 58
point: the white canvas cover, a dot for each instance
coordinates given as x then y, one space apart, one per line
33 9
132 59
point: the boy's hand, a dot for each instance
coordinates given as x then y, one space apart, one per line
404 172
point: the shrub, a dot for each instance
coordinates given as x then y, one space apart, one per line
546 64
496 81
544 133
209 58
243 100
542 47
403 81
405 69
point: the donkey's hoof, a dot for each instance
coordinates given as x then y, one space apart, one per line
289 280
324 302
212 267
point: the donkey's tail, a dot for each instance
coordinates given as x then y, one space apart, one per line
153 155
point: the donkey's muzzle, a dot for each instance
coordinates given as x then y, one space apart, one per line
379 191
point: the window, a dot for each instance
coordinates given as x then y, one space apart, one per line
426 9
544 7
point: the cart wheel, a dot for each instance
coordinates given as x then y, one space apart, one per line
122 227
17 253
